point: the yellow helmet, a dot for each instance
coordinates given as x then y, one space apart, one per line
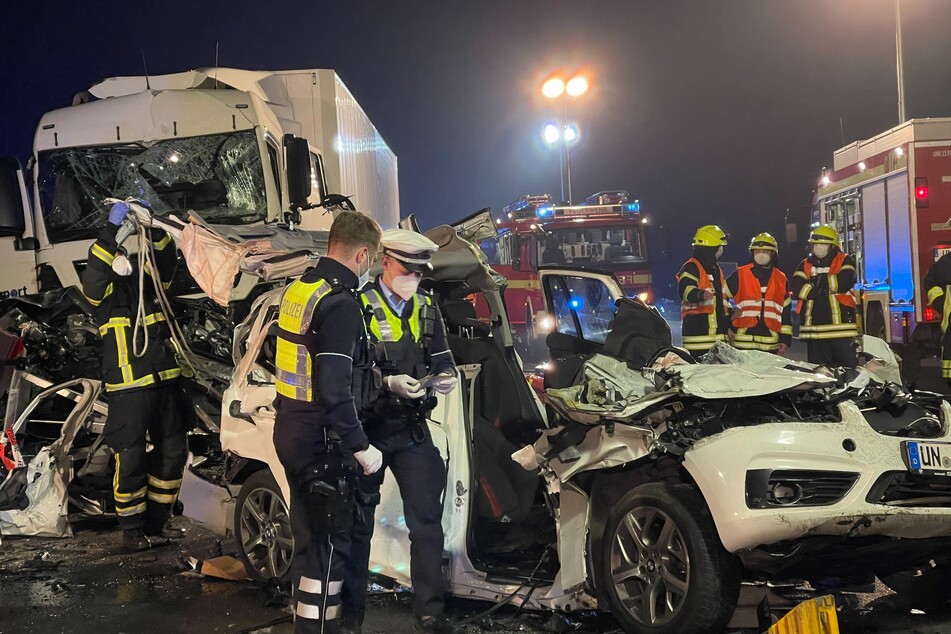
824 234
710 236
764 241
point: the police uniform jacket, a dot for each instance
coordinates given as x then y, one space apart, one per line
115 299
411 342
341 363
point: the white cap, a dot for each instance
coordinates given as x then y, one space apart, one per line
412 249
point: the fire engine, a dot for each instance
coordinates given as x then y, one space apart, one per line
533 232
889 197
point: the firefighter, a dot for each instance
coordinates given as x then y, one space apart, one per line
141 381
324 374
761 319
823 284
410 342
704 308
938 285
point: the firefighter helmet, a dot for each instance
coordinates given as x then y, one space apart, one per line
710 236
765 242
824 234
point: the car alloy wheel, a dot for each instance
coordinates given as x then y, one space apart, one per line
263 529
663 569
650 565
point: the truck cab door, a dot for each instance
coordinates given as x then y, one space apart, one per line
580 307
17 242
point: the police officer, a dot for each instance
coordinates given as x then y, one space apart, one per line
410 342
938 285
823 284
141 378
759 291
704 309
323 375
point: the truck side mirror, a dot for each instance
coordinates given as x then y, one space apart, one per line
11 201
299 178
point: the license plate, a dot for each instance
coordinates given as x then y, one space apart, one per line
933 458
939 251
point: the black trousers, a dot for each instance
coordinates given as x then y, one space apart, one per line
834 353
421 475
317 571
146 483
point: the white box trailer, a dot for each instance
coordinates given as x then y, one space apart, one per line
215 140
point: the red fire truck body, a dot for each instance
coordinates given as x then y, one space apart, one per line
533 233
889 197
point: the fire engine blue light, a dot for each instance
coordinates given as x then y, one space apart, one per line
634 206
544 212
575 302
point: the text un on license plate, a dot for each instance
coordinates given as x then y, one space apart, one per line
928 457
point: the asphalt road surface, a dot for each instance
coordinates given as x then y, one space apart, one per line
86 583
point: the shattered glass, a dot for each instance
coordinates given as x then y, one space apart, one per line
220 175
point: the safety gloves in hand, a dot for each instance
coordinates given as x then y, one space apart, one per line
404 385
370 459
444 383
118 212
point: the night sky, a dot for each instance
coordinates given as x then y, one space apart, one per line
706 110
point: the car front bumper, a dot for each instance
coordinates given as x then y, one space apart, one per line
721 466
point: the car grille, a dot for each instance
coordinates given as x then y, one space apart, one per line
766 488
902 488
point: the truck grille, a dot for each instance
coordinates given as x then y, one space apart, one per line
902 488
766 488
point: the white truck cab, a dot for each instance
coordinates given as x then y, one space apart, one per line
239 147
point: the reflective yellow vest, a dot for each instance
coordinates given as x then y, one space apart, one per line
293 361
386 325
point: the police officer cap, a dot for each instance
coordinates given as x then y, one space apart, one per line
412 249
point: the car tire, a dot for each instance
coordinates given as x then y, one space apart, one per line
262 529
925 588
663 568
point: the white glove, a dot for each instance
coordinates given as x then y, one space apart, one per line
444 383
371 459
404 385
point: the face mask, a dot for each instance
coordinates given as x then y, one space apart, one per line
820 250
121 265
719 252
405 285
762 258
364 277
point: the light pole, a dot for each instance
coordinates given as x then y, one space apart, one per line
555 134
555 88
898 64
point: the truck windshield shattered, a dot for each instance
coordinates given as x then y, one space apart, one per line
220 175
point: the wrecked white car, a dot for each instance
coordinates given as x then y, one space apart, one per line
650 492
650 485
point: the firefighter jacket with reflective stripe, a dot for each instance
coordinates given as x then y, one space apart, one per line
937 285
704 321
323 365
762 315
115 300
757 302
826 304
